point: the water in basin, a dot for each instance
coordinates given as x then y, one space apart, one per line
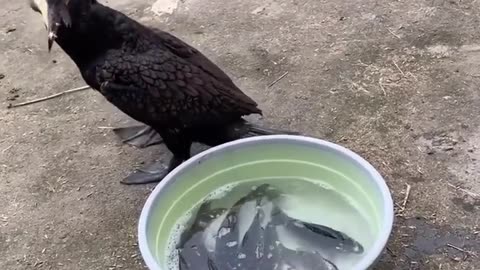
284 223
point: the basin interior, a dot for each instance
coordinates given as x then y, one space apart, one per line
275 160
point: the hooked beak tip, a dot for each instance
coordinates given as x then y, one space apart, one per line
50 44
51 39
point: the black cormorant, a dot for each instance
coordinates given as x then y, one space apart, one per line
153 77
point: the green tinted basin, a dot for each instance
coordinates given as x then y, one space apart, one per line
265 157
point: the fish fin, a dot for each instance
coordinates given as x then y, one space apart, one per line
211 264
330 265
346 240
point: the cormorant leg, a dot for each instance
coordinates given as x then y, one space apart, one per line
141 136
157 171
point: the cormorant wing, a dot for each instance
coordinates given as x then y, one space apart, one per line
158 87
182 49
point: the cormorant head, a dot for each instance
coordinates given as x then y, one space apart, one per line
55 14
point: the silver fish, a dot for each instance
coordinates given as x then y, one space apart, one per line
203 219
314 236
252 243
255 235
193 255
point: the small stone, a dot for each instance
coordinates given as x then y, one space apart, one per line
12 98
10 30
2 76
394 78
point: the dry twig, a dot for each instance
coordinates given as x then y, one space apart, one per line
277 80
474 195
383 88
395 35
49 97
6 149
407 196
399 69
467 252
401 208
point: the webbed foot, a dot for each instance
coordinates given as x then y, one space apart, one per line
152 173
141 136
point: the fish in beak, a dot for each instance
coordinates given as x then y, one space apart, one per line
55 15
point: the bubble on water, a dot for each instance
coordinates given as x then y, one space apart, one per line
220 192
242 256
173 257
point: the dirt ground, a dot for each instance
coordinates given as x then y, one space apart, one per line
396 81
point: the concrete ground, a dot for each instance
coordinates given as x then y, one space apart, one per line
396 81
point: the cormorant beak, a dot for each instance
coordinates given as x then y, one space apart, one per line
52 35
54 15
